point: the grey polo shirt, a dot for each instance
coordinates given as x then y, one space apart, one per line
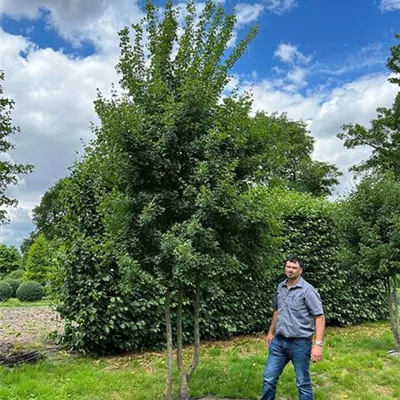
297 307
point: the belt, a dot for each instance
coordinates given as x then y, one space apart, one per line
293 338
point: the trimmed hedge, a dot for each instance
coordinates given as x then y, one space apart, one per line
5 291
30 291
106 312
311 231
14 283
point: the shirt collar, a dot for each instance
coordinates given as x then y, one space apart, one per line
298 284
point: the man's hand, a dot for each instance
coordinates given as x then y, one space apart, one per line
316 353
268 339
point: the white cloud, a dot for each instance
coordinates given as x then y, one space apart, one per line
53 106
325 113
297 76
80 20
289 53
248 13
390 5
279 6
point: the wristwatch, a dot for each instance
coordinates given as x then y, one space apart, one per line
318 343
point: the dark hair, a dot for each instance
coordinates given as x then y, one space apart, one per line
294 259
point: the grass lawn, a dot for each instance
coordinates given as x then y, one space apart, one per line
356 366
10 303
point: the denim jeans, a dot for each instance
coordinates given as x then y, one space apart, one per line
281 351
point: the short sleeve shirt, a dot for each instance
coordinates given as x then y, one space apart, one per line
297 307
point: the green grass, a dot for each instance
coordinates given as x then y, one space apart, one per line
11 303
356 366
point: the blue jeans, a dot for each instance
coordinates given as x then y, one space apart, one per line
281 351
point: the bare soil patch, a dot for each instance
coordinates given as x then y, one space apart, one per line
23 327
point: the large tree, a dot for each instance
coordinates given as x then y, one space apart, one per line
8 170
183 205
373 231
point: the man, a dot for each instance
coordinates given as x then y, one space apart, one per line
298 313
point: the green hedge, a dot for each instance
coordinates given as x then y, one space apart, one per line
311 231
14 283
108 310
5 291
30 291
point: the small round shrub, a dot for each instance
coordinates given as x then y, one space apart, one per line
17 274
14 283
30 291
5 291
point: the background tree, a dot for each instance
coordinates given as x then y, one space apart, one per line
8 169
383 136
48 215
10 259
372 210
39 262
370 227
287 156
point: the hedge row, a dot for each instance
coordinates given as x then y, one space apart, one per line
107 311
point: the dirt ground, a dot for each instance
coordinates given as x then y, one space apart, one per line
23 326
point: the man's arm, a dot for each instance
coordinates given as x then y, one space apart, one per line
316 352
271 330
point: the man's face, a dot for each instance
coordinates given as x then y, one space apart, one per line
293 269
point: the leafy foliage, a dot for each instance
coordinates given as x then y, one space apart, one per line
383 137
14 283
39 262
16 274
9 259
311 230
5 291
286 156
371 233
371 238
30 291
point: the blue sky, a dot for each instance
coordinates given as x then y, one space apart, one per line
319 61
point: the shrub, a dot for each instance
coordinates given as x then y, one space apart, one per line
30 291
17 274
5 291
14 283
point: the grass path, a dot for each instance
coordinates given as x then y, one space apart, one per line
356 367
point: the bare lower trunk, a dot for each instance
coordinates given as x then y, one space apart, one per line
185 376
393 303
196 353
179 329
184 385
168 390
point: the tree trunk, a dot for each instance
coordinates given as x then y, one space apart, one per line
196 353
393 304
184 384
185 376
168 391
179 338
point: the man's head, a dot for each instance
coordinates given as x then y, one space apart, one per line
293 267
